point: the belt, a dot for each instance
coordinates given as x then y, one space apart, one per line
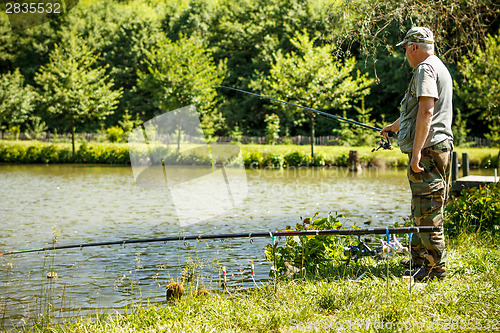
444 145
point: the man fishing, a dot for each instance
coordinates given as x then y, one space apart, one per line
424 133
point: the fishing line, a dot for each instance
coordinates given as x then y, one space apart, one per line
326 114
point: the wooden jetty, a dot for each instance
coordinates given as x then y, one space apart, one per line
467 181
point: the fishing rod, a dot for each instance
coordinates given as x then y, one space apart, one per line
326 114
366 231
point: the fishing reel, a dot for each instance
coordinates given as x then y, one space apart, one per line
355 252
388 249
385 143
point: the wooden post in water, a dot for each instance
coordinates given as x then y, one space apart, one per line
454 166
465 164
353 163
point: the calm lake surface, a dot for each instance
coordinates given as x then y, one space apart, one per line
78 204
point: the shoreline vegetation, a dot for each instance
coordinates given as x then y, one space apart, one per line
254 155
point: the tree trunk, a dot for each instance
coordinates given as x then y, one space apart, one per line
179 136
73 134
312 136
353 163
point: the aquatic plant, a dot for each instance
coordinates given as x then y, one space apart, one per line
309 255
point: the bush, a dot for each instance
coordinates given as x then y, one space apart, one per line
476 210
8 153
296 158
315 254
65 156
114 134
49 154
272 128
318 160
489 161
32 155
252 159
272 160
341 160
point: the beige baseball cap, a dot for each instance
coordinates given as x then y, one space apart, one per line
418 35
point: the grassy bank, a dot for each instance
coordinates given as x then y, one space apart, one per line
469 300
255 156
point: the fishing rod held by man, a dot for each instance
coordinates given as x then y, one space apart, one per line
326 114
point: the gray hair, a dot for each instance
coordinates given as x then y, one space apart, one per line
425 47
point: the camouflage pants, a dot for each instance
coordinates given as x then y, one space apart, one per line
430 190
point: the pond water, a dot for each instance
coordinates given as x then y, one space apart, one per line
75 204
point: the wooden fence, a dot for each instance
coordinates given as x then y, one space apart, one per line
298 140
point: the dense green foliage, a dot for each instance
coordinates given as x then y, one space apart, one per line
311 256
55 153
259 156
272 128
477 210
311 77
480 89
72 89
102 153
183 73
17 101
152 40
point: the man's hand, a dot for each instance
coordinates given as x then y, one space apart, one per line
415 163
385 131
394 127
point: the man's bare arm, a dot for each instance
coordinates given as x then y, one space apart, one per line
423 125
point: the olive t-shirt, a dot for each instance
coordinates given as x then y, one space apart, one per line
431 78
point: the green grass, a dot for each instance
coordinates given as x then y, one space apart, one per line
480 157
469 297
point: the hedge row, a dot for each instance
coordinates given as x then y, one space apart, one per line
53 153
106 153
256 159
39 152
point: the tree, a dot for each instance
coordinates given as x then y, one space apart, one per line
137 31
272 128
311 77
371 29
183 73
460 26
480 87
459 128
16 100
72 89
355 135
